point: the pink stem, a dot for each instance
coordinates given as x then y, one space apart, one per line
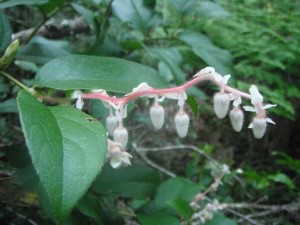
151 91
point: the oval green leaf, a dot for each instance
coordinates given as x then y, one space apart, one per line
66 150
94 72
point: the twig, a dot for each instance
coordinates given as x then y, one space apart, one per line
153 164
46 18
64 28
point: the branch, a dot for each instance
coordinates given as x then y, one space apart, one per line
64 28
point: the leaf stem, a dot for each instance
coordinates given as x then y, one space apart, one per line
15 81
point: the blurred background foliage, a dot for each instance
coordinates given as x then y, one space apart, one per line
257 41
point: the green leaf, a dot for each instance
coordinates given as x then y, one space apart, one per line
175 188
282 178
158 219
5 33
41 50
8 106
220 219
93 72
210 9
66 150
134 13
12 3
88 16
182 207
172 58
136 181
184 6
216 57
52 5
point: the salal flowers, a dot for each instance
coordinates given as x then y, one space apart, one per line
117 155
259 123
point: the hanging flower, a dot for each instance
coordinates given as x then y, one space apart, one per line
236 114
118 157
221 104
79 102
182 121
259 123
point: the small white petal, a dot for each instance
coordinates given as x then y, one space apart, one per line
217 77
250 125
141 87
79 102
171 95
116 161
237 101
268 106
75 94
180 100
125 157
226 78
99 91
249 108
270 121
205 71
256 97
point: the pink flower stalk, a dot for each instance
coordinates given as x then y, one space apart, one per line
222 101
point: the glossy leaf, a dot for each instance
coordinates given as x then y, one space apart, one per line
12 3
66 150
5 33
175 188
134 13
172 58
136 181
41 50
87 14
92 72
216 57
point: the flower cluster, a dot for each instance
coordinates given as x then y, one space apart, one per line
222 101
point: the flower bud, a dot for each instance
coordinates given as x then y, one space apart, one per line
221 104
182 124
157 114
121 136
111 124
236 119
259 126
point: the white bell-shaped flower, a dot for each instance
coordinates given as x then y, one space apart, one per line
121 136
157 115
259 126
236 118
118 157
182 121
221 104
111 124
